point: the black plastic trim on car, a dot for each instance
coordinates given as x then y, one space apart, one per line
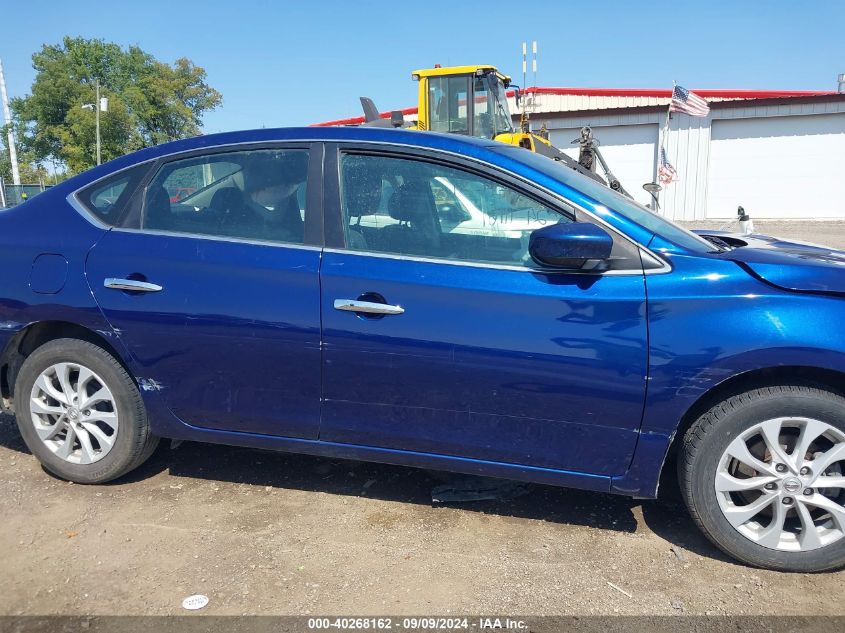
332 207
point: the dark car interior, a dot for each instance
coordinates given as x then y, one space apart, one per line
251 195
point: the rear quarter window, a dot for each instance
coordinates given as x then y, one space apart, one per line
107 198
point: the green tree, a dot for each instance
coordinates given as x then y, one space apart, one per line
30 172
150 102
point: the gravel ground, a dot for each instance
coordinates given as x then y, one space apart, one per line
271 533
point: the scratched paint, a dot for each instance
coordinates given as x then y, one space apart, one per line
149 384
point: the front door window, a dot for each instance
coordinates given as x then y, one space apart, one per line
411 207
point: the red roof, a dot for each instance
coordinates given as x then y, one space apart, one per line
730 93
665 93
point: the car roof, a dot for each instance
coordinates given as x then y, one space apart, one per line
465 145
516 160
433 140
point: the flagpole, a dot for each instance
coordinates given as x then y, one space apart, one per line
662 147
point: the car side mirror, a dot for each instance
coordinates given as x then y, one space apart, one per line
570 246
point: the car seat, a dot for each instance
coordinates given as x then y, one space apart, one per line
418 231
157 212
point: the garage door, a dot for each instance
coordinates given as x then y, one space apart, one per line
778 167
628 149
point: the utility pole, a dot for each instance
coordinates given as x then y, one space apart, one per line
10 137
97 109
101 104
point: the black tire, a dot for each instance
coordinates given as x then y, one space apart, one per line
134 443
705 443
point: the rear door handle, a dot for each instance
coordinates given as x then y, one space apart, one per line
367 307
131 284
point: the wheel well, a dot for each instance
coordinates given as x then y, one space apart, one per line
754 379
34 336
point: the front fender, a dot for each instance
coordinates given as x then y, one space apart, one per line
710 322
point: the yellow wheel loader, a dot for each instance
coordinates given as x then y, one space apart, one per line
472 100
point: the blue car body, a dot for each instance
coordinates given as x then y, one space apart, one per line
567 379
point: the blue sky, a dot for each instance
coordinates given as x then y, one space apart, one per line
294 63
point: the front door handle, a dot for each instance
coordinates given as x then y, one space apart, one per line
131 284
367 307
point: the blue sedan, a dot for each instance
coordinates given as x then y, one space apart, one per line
433 301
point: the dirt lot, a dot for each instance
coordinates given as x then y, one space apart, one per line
263 533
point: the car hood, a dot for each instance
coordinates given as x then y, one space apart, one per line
788 264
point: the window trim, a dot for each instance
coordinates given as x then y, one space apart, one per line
330 177
220 238
521 185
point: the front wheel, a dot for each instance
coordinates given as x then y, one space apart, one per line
80 413
763 475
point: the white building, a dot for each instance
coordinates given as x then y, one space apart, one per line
778 153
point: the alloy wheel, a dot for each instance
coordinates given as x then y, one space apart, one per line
781 484
74 413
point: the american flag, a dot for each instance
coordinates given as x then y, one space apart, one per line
685 101
666 173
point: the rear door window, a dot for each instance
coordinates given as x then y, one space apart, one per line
255 194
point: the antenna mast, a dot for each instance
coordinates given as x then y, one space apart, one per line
528 102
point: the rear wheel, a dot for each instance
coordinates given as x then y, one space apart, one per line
763 475
80 413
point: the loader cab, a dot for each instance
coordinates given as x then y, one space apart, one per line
467 100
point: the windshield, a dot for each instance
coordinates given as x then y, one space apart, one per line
606 196
501 113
